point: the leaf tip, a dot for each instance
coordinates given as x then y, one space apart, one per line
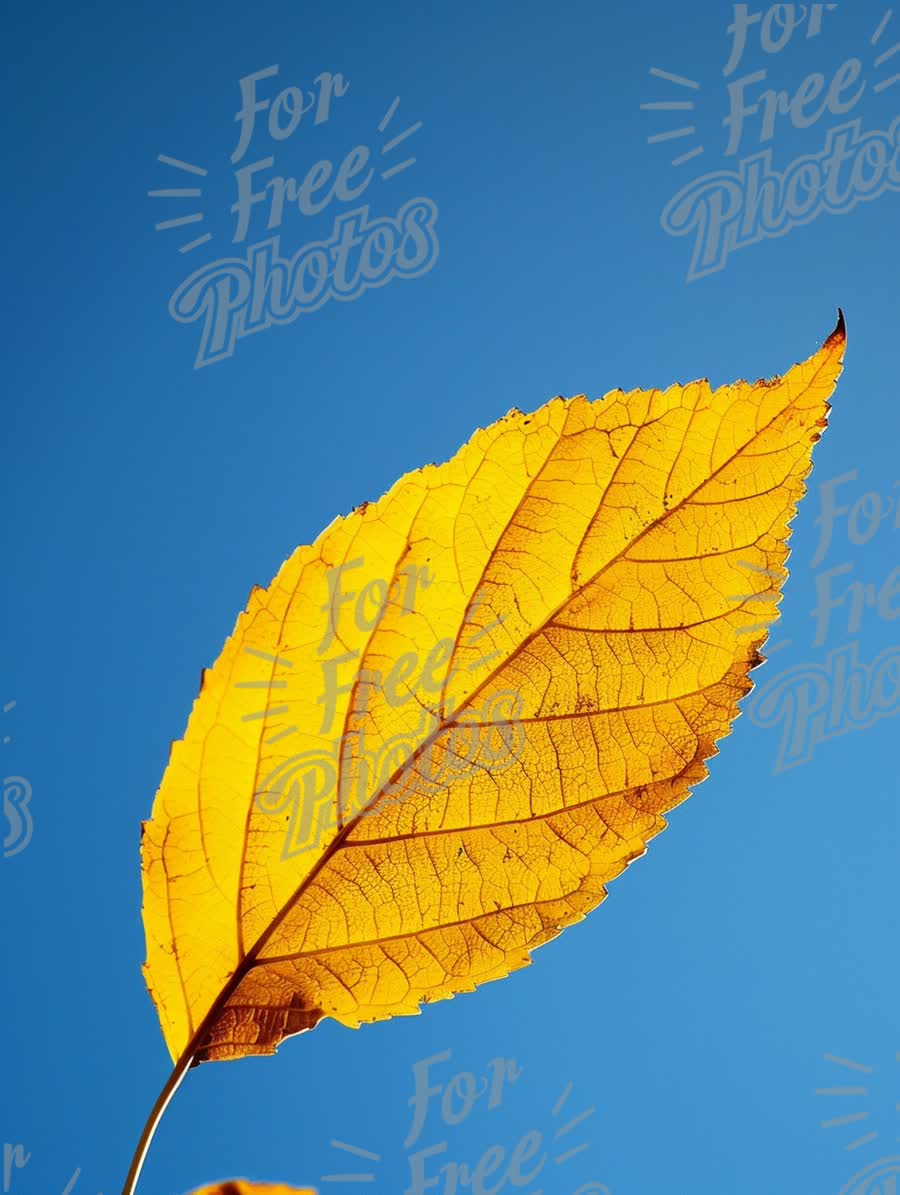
839 335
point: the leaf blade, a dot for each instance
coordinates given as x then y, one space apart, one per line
628 550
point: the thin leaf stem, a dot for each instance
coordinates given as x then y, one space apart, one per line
172 1084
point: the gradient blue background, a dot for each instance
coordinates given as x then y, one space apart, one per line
142 498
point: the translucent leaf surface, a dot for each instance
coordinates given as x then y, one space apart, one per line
578 596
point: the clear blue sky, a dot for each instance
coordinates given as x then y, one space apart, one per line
142 498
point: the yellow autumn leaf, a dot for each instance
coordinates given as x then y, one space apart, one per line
446 725
240 1186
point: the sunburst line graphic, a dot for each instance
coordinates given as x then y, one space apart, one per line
193 218
763 596
179 165
389 115
856 1066
862 1141
265 655
881 26
389 146
70 1185
571 1153
359 1153
267 685
687 157
207 236
850 1118
568 1126
392 144
181 193
269 712
177 193
479 663
674 106
672 134
885 83
886 55
282 734
679 79
386 174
